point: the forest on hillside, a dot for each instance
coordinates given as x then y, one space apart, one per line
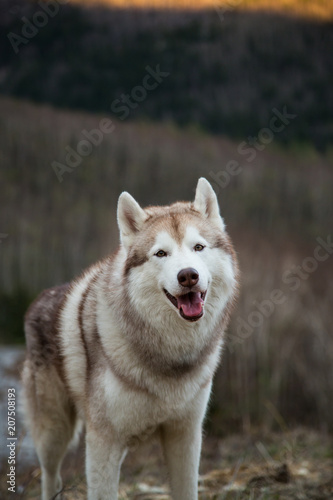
225 73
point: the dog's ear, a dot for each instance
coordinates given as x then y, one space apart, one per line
130 218
206 201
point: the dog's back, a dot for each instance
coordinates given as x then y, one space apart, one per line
40 324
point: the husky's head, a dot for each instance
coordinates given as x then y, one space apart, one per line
179 261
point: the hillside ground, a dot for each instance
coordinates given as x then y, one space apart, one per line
296 464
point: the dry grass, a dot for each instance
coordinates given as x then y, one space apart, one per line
292 465
281 372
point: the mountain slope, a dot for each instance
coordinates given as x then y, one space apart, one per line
225 74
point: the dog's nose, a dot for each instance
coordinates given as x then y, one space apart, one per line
188 277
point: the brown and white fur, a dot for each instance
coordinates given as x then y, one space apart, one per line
132 345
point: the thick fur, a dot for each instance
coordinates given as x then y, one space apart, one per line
115 349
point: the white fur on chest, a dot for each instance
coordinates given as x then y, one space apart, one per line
131 412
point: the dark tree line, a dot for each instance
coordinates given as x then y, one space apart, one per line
225 76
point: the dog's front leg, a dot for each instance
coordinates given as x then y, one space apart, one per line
104 456
182 446
181 440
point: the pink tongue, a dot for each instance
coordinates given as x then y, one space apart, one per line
191 304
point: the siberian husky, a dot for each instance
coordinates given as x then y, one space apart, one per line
132 345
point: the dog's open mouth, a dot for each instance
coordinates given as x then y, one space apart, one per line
190 305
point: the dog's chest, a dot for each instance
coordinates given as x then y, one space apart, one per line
134 412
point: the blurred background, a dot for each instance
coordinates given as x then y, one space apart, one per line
239 92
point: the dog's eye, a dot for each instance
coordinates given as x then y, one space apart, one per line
198 247
161 253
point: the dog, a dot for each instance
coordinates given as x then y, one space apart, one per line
132 345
